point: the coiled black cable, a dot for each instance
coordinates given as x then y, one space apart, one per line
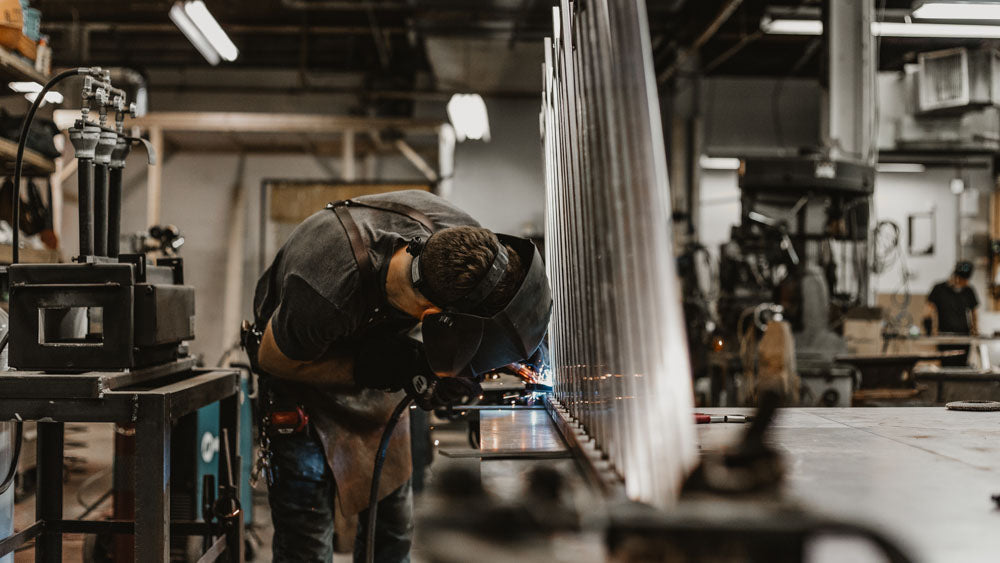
22 140
15 457
383 446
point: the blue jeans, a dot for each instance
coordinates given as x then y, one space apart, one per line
302 498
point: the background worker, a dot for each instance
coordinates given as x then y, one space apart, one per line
333 312
951 309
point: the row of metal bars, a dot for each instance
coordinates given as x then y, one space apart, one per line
619 353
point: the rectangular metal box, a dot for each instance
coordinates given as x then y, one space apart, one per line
98 315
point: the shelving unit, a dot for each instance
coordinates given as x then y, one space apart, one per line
16 69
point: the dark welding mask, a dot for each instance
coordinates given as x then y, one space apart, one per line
461 343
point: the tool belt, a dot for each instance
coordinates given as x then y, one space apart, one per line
278 415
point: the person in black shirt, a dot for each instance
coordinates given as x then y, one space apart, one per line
953 304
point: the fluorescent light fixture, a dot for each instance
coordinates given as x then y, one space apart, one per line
24 87
958 11
945 30
203 31
467 113
50 97
791 27
31 90
887 29
211 30
717 163
901 168
187 27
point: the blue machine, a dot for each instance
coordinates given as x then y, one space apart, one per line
209 444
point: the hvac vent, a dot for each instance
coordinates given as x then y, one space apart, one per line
954 80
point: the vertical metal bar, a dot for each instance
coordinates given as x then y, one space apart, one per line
154 178
617 331
348 157
85 181
229 420
101 209
152 480
49 496
114 211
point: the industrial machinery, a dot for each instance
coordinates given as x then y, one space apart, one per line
802 247
103 340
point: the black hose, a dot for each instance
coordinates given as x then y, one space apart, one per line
14 459
8 479
101 209
85 200
114 210
377 476
21 142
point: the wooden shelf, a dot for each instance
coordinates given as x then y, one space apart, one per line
29 255
34 163
13 68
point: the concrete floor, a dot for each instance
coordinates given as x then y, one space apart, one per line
89 455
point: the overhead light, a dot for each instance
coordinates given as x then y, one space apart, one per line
197 24
945 30
467 113
716 163
31 90
958 11
957 186
23 87
50 97
791 27
887 29
901 168
205 22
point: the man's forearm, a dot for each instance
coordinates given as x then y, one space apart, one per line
334 369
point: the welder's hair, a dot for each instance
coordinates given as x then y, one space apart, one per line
964 269
456 259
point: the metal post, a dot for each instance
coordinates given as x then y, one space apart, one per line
229 425
102 159
152 481
49 496
852 69
85 138
154 178
348 157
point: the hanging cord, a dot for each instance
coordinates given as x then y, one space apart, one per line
377 476
22 140
15 457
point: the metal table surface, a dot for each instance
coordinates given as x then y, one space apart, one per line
528 430
925 475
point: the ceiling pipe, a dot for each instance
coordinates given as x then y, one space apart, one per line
722 17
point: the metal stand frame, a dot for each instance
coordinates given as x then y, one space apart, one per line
152 407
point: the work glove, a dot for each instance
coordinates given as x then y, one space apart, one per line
431 392
398 362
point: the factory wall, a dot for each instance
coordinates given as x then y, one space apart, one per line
500 183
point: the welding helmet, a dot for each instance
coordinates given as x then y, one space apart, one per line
459 342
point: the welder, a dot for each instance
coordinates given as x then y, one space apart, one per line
334 342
